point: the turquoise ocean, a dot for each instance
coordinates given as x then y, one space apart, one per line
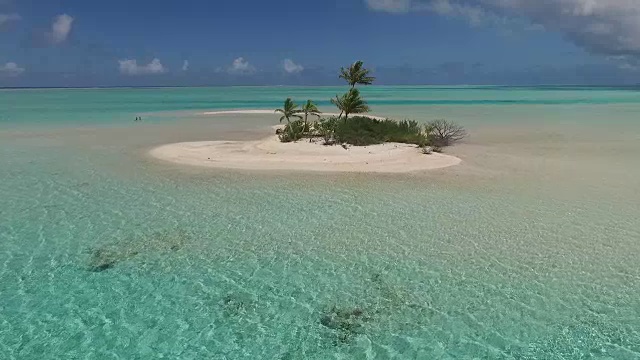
527 250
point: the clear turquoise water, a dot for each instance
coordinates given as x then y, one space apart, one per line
528 250
96 106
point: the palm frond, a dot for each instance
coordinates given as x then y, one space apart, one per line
344 74
356 74
351 103
289 109
367 80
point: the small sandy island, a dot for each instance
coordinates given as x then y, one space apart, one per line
271 154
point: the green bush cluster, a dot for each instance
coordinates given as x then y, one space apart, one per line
362 131
326 128
293 131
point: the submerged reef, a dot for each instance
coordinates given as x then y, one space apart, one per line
107 256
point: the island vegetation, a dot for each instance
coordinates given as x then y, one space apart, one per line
361 130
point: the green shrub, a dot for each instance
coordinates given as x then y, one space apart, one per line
293 131
359 131
326 128
362 131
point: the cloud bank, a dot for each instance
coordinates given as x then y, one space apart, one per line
604 27
7 18
240 66
11 69
291 68
131 67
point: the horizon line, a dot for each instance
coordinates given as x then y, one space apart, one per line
305 86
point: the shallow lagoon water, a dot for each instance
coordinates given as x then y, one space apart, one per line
528 250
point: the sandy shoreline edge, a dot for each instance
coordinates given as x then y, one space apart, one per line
271 154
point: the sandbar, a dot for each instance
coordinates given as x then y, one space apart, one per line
305 155
271 154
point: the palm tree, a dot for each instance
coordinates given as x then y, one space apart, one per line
289 110
350 103
309 109
356 74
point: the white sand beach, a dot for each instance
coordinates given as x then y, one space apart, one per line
271 154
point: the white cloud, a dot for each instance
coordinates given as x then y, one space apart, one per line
291 67
131 67
475 15
624 62
608 27
394 6
7 18
11 69
629 67
240 66
185 65
61 28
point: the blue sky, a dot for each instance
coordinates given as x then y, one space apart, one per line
258 42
